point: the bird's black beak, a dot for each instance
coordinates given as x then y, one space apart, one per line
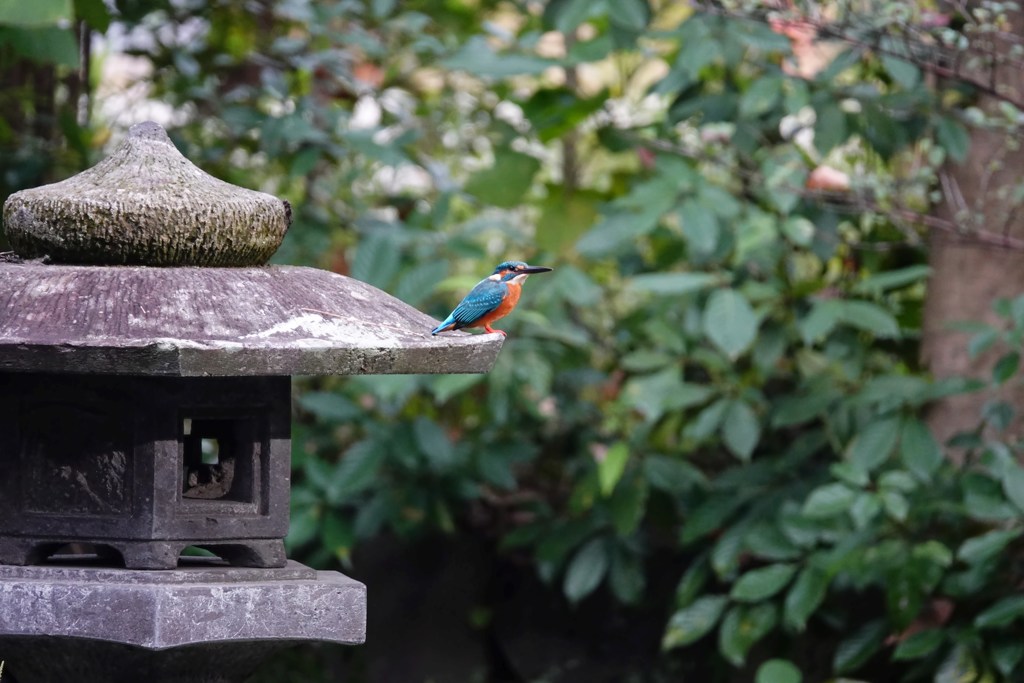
530 270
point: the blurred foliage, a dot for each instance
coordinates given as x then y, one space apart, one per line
722 370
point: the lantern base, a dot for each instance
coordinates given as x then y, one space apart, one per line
203 622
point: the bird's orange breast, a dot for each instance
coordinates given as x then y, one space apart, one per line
504 308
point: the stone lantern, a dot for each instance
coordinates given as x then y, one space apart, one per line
145 355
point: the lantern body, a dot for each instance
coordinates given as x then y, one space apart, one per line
144 467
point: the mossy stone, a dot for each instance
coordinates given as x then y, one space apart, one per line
146 204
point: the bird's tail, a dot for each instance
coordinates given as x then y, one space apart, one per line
448 324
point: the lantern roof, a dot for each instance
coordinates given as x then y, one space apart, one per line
123 269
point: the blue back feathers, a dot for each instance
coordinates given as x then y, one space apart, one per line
481 300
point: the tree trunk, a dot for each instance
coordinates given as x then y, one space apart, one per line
967 275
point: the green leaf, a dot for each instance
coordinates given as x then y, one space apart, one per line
903 72
476 57
1013 484
674 284
785 172
566 15
820 322
741 430
920 644
383 8
860 314
729 322
646 359
653 395
377 261
564 217
985 501
840 63
700 227
615 230
293 130
997 414
742 627
761 584
417 283
953 137
898 480
692 583
628 504
797 409
798 230
434 443
864 509
302 527
35 13
557 111
586 570
1006 655
766 541
762 96
611 467
672 475
778 671
804 597
708 420
94 13
828 500
444 387
895 504
1006 367
892 279
726 553
357 470
337 535
709 516
981 548
330 406
504 183
870 317
829 127
982 342
1001 614
693 622
43 45
919 450
934 553
626 577
856 650
496 469
632 15
796 527
872 447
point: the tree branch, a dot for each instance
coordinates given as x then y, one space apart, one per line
922 49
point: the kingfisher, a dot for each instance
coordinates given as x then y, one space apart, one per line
493 298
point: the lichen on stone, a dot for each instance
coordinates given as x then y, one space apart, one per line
146 204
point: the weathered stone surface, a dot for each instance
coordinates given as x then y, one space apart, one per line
199 604
275 320
146 204
200 623
126 470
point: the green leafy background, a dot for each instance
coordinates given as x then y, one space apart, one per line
701 454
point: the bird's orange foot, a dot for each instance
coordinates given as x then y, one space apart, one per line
492 331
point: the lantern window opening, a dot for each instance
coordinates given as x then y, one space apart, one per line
217 459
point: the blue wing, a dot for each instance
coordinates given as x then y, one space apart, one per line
480 301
